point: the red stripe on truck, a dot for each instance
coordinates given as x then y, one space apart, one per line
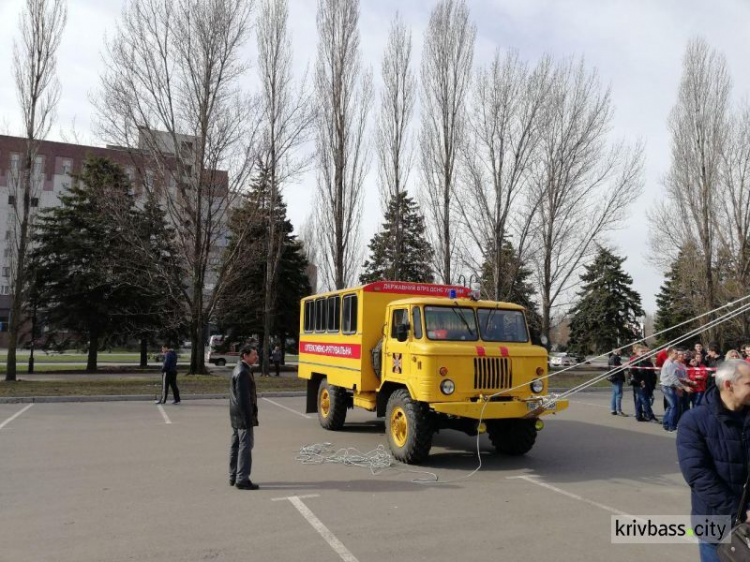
345 350
423 289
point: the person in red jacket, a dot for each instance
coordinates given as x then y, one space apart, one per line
697 374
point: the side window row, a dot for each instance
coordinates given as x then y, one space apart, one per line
325 314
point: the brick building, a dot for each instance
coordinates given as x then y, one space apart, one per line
53 165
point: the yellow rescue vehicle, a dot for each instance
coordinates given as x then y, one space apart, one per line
427 357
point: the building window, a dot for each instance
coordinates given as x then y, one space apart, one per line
11 199
6 252
6 272
67 166
4 319
35 201
38 165
6 289
14 161
349 316
149 180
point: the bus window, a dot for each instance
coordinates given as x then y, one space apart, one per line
334 313
349 321
417 323
320 315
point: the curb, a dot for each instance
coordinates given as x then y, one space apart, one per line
131 398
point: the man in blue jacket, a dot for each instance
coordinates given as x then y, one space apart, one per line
169 376
713 447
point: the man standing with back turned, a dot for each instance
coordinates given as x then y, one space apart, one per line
243 413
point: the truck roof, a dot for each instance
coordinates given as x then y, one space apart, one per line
400 288
437 301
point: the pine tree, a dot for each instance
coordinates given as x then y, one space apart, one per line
415 253
79 261
515 284
240 310
606 315
675 304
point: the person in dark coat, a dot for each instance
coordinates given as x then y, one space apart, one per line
617 379
713 447
243 413
169 376
276 359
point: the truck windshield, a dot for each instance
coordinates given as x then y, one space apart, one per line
451 323
502 325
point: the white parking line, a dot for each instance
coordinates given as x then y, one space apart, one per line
535 480
318 525
164 414
289 409
14 416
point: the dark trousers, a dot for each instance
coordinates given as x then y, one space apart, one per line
277 366
241 455
169 380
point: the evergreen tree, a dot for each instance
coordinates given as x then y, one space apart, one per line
240 310
606 315
415 252
675 304
80 261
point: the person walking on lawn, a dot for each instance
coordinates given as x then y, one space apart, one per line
169 376
243 414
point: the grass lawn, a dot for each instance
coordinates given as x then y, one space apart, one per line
140 386
194 385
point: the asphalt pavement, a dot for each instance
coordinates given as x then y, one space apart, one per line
131 481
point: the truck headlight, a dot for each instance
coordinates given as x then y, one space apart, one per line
537 386
447 386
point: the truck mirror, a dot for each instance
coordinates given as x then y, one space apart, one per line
402 332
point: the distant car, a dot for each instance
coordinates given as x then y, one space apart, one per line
564 360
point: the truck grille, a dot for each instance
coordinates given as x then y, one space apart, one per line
492 373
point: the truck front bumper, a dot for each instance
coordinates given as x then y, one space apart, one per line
532 408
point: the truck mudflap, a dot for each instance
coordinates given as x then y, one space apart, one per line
532 408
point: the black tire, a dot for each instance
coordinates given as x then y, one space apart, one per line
408 427
221 362
512 437
331 406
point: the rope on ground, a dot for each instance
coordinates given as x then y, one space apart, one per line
378 460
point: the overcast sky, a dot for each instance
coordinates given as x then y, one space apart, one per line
636 45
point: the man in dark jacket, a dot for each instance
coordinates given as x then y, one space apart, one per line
713 447
243 413
169 376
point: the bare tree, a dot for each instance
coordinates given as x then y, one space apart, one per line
171 95
445 77
343 91
699 127
733 212
583 183
499 156
34 68
287 117
392 139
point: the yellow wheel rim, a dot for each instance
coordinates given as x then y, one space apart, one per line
325 403
399 426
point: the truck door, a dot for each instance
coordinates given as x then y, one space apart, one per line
397 363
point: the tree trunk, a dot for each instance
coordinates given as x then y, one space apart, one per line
144 351
93 351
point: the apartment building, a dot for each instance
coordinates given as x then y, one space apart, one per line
54 165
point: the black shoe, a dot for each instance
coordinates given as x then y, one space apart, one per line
247 486
613 413
232 481
176 402
641 419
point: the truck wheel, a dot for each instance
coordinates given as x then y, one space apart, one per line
408 426
512 437
331 406
221 362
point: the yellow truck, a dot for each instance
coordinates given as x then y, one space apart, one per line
427 357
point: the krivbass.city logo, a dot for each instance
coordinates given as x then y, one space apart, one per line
660 529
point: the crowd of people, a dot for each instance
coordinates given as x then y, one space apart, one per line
684 376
